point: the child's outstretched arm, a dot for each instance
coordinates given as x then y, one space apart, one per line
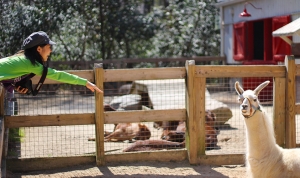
93 87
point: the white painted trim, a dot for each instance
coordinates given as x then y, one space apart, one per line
228 2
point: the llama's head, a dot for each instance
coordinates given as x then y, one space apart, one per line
249 99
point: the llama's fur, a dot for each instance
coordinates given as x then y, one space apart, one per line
264 158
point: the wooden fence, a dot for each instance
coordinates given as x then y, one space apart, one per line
194 114
3 135
123 63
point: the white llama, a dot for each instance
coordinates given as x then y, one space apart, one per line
264 158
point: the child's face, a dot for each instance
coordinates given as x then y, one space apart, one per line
45 51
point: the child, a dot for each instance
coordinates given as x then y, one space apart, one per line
37 48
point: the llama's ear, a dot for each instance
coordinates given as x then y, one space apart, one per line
238 88
260 87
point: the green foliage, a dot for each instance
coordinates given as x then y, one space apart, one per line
19 20
129 28
98 30
187 28
16 135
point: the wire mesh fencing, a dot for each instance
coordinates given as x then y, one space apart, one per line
51 141
225 130
229 121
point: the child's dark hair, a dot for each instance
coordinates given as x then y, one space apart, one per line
33 55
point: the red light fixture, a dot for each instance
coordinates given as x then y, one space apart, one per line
245 13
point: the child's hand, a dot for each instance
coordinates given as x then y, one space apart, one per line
21 90
93 87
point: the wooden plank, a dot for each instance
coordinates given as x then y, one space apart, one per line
145 116
2 101
297 70
195 101
290 121
4 152
297 108
99 115
2 144
49 120
177 155
190 69
89 118
240 71
40 164
179 59
279 110
87 74
218 160
118 62
118 75
162 156
199 120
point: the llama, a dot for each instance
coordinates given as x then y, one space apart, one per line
264 158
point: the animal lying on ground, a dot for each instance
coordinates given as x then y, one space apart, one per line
174 136
129 131
169 126
173 140
264 158
177 134
125 131
147 145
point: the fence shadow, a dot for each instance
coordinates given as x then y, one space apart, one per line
141 169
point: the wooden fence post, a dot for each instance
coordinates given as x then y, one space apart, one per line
2 133
195 105
99 115
279 110
2 90
290 102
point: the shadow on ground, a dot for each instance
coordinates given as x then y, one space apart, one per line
140 169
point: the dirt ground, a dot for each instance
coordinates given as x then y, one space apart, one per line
143 170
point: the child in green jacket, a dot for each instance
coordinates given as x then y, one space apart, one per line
37 49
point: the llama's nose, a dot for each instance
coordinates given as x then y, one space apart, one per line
244 106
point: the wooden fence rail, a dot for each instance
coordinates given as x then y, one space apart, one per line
194 113
122 63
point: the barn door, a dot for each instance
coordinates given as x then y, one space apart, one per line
280 47
239 48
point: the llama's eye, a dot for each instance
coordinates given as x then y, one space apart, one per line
240 101
254 100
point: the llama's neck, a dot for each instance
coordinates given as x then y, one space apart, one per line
260 135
